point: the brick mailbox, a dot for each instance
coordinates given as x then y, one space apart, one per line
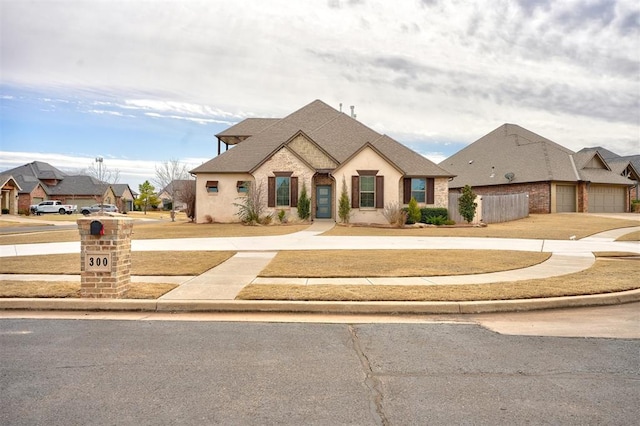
105 256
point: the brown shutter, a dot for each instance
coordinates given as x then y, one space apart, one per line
294 191
355 192
430 190
379 192
406 196
271 191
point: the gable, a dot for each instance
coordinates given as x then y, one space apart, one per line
311 153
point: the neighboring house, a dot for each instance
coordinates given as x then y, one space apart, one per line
174 191
40 181
628 166
319 148
9 194
124 197
512 159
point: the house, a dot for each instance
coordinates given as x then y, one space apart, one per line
173 193
124 197
628 166
40 181
322 150
9 189
512 159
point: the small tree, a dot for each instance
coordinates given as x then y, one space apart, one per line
147 196
466 204
344 206
169 176
304 204
186 193
413 211
394 214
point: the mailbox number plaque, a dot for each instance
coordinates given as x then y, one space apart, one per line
97 262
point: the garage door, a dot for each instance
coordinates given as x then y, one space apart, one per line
565 198
606 199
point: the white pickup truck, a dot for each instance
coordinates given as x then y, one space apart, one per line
53 206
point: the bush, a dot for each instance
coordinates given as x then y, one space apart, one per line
24 212
437 220
282 216
304 204
428 212
394 214
208 218
344 206
413 211
467 204
5 211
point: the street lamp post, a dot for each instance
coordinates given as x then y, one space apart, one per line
100 160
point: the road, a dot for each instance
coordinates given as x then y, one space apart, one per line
448 371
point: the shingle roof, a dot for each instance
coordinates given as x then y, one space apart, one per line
79 185
338 134
248 127
5 177
39 170
529 157
120 188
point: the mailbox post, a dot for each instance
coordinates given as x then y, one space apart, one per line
105 256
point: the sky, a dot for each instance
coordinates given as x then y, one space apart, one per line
143 82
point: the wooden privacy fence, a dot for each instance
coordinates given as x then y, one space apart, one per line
493 208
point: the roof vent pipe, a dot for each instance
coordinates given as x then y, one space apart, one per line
340 106
353 115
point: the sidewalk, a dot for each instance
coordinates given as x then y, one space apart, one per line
217 288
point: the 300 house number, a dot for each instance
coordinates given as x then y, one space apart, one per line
97 262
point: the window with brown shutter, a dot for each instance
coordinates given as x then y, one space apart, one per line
379 192
355 192
271 191
294 191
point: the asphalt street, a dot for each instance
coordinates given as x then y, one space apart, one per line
181 372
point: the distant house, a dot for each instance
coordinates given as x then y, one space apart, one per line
319 148
9 194
512 159
40 181
124 197
174 192
628 166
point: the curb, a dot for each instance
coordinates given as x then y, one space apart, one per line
219 306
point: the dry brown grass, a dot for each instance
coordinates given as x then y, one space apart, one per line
11 224
163 230
633 236
142 263
536 226
606 276
65 289
396 263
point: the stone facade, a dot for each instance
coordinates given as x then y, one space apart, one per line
311 153
115 244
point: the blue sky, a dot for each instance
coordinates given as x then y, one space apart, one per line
141 82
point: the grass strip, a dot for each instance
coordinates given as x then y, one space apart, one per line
64 289
605 276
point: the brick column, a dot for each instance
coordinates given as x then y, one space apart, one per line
105 260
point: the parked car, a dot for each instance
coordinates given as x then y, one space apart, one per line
52 206
99 208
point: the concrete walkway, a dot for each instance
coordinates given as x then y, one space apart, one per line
224 281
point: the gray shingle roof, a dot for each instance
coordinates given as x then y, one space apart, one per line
527 155
79 185
338 134
39 170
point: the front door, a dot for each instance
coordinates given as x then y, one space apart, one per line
323 202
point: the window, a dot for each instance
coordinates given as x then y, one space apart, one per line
419 189
283 184
367 191
212 186
243 186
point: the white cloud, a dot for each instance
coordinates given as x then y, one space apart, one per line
442 71
132 172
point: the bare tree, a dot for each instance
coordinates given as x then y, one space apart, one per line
186 193
169 174
103 173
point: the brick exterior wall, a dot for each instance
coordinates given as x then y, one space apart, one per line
539 194
117 241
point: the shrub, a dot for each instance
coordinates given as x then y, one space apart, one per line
282 216
304 204
250 207
5 211
437 220
344 206
266 220
24 212
466 204
394 214
413 211
208 218
429 212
